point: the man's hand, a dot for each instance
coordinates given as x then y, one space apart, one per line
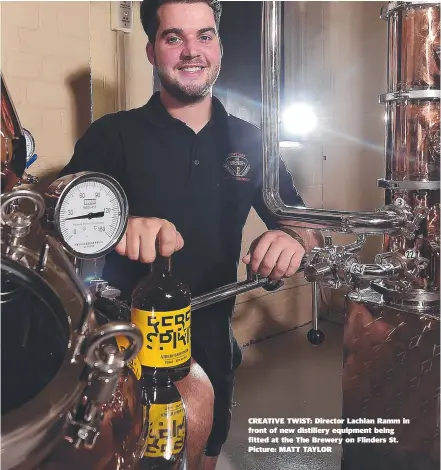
275 254
139 241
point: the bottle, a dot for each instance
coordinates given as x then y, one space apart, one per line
167 428
161 309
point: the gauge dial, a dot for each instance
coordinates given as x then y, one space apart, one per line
91 215
30 144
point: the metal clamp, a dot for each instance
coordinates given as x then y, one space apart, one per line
412 218
93 342
106 364
18 194
410 95
419 214
17 222
408 185
392 7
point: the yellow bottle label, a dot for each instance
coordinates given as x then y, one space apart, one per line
167 429
166 337
123 343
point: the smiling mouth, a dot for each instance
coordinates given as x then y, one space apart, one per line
194 68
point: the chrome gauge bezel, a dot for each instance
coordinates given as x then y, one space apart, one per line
30 141
116 189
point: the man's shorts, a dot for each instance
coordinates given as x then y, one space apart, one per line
216 350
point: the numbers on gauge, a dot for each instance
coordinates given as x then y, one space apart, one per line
91 216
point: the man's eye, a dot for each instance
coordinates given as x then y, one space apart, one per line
172 40
206 37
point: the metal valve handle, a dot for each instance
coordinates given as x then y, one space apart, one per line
315 335
93 352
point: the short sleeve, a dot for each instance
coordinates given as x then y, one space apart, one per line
99 149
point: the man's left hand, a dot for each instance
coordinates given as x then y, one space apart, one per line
275 254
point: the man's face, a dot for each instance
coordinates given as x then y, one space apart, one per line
187 53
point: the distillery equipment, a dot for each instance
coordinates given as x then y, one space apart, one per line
68 396
75 400
391 334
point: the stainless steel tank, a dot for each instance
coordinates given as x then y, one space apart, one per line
69 399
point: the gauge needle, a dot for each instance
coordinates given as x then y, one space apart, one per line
91 215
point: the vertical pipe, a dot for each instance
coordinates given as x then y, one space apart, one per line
340 221
314 306
270 62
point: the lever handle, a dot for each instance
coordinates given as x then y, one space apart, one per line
315 335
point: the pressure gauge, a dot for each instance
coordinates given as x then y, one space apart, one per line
89 213
30 144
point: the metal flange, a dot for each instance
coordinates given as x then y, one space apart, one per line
408 185
410 95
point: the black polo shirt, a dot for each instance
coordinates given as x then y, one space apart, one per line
204 183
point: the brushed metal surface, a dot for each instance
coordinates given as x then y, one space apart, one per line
391 370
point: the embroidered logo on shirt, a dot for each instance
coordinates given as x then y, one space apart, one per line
237 165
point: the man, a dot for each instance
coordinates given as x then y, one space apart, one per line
191 173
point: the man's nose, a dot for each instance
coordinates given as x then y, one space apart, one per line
190 49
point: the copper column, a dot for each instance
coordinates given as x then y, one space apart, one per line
391 337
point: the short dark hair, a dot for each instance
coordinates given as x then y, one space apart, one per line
149 14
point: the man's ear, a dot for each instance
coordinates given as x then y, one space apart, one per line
150 53
221 48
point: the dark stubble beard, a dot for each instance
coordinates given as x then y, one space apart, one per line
189 93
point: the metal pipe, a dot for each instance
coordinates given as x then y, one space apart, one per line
380 222
356 246
235 288
225 292
315 306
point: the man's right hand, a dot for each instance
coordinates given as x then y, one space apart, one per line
139 241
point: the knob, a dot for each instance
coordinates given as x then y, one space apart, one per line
315 337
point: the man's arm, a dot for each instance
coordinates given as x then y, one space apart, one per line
279 252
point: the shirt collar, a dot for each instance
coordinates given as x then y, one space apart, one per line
156 114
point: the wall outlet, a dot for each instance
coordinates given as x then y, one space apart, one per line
121 16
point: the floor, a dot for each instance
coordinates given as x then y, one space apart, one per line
285 376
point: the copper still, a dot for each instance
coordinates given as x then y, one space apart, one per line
392 330
83 412
13 144
68 398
